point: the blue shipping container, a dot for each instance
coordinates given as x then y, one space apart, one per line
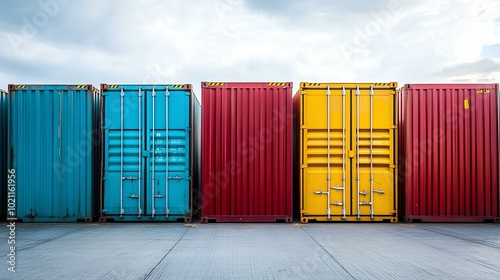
53 148
4 113
138 151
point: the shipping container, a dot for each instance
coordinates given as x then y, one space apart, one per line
4 113
347 148
449 152
148 152
53 149
246 152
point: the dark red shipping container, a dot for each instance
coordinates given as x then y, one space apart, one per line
246 152
448 153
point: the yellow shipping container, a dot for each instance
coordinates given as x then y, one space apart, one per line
347 145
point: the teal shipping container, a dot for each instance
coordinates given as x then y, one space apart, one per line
148 152
54 151
4 113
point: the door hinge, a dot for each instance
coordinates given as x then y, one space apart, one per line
394 166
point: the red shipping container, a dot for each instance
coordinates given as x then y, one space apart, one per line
246 152
448 153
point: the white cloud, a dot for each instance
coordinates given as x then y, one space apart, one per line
193 41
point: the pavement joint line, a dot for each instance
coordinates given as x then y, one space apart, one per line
151 271
47 240
462 238
331 256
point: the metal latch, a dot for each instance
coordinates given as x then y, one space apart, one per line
129 178
133 196
176 178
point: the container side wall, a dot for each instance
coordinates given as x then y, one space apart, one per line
196 159
296 154
401 152
52 150
247 152
147 131
4 113
451 154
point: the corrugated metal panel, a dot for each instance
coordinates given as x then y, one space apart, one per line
196 158
449 155
347 151
4 111
247 152
53 146
136 184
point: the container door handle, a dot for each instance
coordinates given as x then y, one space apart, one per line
139 210
167 95
371 153
358 213
153 95
343 153
328 177
122 96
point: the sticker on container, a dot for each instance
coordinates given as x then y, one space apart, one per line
466 104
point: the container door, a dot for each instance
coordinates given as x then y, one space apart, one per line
123 156
372 141
139 151
348 134
167 193
326 133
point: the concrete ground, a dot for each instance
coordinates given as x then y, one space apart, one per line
253 251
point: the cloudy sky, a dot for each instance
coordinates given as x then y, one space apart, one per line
70 42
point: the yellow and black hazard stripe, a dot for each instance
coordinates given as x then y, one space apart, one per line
277 84
216 84
178 86
112 86
313 84
14 87
81 86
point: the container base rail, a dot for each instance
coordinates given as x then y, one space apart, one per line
54 219
451 219
129 218
246 219
390 219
